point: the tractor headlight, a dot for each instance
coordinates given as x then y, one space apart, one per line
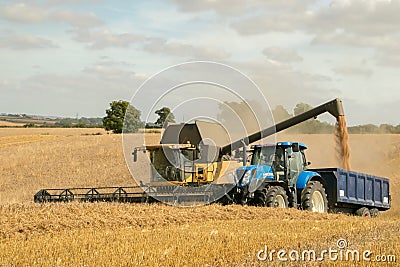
246 178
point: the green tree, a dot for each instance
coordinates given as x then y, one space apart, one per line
280 114
310 126
302 107
387 128
165 116
240 114
122 116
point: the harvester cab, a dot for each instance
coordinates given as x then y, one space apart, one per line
183 164
189 154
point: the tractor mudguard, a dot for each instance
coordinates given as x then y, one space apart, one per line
304 177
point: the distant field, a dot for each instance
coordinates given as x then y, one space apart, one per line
10 124
18 132
158 235
21 121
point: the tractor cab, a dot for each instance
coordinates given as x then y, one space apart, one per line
283 161
287 159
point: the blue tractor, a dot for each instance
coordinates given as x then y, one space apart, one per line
276 174
279 176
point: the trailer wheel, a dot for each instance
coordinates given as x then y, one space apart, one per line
363 212
276 197
313 197
375 213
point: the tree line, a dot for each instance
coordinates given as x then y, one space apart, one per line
121 116
312 126
114 120
317 126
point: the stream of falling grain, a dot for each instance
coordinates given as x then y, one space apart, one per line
342 143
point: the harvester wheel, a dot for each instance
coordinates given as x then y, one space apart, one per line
313 197
375 213
363 212
276 197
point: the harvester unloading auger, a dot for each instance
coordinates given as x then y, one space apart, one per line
185 178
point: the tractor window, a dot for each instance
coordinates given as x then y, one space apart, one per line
296 164
266 155
304 158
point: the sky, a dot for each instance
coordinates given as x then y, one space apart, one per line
69 57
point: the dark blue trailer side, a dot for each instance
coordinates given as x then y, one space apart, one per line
353 190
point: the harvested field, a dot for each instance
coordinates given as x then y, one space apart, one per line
158 235
10 124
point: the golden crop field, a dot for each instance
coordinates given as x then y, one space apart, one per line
114 234
10 124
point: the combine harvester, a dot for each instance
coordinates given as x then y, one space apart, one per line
195 177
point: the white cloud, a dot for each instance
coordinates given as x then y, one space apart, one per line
25 41
87 92
273 22
75 19
353 71
389 57
284 85
281 54
386 48
187 50
111 71
101 39
238 7
363 17
367 24
24 13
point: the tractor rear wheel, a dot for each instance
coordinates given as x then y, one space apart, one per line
363 212
276 197
313 197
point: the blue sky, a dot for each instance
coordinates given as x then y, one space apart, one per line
64 57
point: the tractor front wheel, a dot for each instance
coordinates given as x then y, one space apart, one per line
313 197
276 197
